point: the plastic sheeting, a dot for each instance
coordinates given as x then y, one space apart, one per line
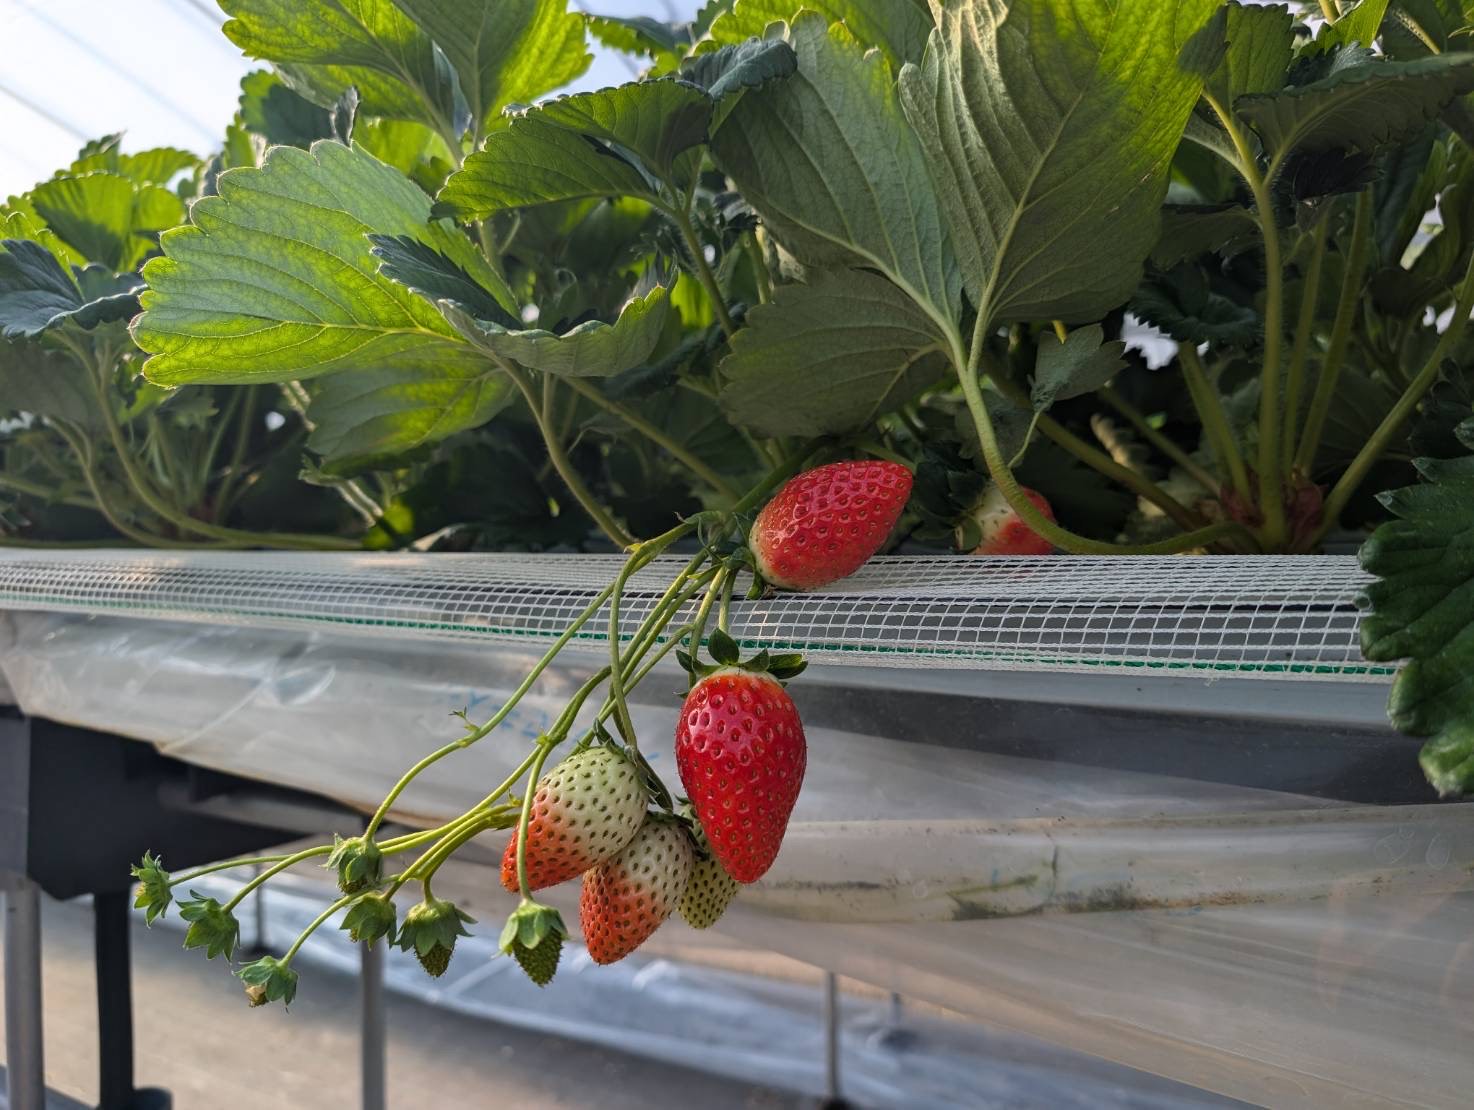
751 1027
1262 944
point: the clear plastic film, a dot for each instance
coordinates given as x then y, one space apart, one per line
1257 942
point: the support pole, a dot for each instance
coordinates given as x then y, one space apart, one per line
114 1000
833 1094
372 1027
25 1067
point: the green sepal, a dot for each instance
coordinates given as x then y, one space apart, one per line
723 648
154 895
370 917
533 936
269 980
358 862
430 930
211 926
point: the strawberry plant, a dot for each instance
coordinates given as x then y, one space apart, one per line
931 235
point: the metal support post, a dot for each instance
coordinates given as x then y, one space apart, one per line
372 1017
24 1058
833 1094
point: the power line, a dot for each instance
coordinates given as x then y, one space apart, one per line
55 120
211 14
156 95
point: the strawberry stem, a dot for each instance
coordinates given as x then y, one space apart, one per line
501 714
544 749
317 923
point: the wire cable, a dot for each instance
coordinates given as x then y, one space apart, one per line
153 93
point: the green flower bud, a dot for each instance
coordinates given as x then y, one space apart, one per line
370 917
430 930
358 862
154 895
269 980
211 926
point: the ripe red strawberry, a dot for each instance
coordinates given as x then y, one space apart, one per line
741 755
710 890
625 899
586 809
1004 532
824 523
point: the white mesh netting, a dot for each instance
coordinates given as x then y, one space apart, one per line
1287 617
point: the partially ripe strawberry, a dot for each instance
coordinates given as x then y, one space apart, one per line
741 754
710 890
586 809
824 523
1003 531
627 898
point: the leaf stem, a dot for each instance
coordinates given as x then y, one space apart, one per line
708 279
1379 440
1160 441
640 556
525 819
158 505
316 924
1098 460
685 457
498 717
1304 330
1335 357
45 493
1271 477
561 463
1214 419
1026 509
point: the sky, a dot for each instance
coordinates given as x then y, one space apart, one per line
158 70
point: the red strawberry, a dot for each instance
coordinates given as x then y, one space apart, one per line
1004 532
586 809
741 754
824 523
625 899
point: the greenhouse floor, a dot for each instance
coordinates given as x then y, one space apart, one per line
196 1038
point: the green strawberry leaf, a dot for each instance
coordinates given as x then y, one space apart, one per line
46 383
613 142
1081 364
323 47
828 161
1051 147
829 357
663 43
276 281
505 51
1260 43
158 166
1358 26
1421 609
898 28
37 294
281 116
743 65
1189 231
422 268
106 217
593 349
1360 106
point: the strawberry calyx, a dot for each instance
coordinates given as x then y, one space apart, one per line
533 936
727 656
